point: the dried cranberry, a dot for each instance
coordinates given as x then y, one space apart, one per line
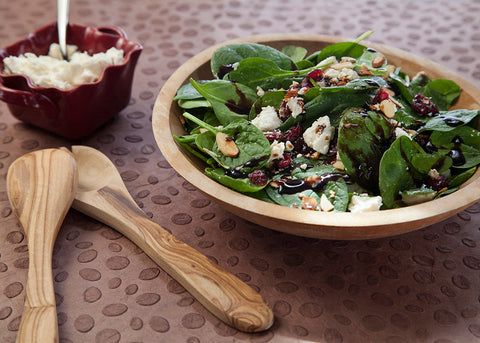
292 133
316 74
285 162
380 96
424 106
437 184
301 147
258 177
273 135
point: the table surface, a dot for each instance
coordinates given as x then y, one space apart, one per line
418 287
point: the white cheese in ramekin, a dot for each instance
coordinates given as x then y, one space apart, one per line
52 71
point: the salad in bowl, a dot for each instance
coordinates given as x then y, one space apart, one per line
340 129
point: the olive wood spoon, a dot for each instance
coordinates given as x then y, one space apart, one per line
102 195
41 186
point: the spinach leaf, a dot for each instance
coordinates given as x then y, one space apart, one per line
457 180
311 94
195 103
339 50
188 92
321 169
260 72
469 155
406 117
296 53
395 172
418 83
333 101
423 162
261 195
232 53
362 139
443 92
229 101
366 60
209 117
273 98
243 185
206 142
250 141
341 198
449 120
304 64
466 134
401 85
290 200
192 150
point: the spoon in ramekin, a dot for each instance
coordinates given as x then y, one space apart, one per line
62 24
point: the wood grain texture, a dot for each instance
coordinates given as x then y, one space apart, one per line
331 225
40 187
103 196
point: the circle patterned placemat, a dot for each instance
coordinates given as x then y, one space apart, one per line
418 287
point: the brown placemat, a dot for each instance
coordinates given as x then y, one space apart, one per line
418 287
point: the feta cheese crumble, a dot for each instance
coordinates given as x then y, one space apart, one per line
364 203
295 104
277 149
318 135
52 71
267 119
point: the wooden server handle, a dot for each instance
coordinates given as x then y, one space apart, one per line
223 294
41 186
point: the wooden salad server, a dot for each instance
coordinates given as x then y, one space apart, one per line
102 195
41 186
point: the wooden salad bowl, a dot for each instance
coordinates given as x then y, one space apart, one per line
323 225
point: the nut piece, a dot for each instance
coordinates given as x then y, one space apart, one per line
390 69
378 61
365 71
388 108
309 203
341 65
226 145
325 204
338 165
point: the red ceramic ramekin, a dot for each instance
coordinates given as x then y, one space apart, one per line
78 112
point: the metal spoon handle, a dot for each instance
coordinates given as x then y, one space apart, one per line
62 23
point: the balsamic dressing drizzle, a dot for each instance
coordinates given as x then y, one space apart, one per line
292 186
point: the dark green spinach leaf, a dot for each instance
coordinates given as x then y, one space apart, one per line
273 98
243 185
361 150
296 53
229 101
256 72
232 53
449 120
396 173
340 191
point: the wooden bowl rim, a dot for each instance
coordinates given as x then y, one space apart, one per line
330 225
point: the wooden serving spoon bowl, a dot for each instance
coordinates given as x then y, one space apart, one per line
41 186
102 195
